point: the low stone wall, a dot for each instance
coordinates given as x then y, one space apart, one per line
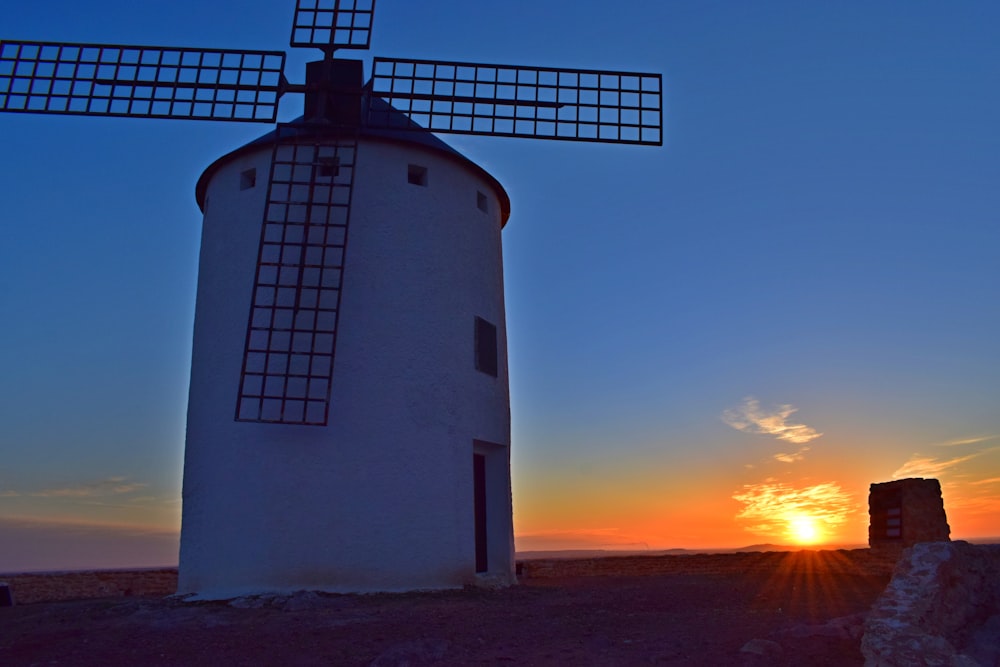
942 607
854 561
52 586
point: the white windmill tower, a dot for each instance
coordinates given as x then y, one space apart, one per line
349 416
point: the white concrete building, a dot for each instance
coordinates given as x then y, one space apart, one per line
407 485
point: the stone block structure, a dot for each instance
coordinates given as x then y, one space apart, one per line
906 512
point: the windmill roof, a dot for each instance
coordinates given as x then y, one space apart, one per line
413 135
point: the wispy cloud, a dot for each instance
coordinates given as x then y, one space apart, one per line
113 486
983 482
930 466
9 494
967 441
771 507
793 456
750 417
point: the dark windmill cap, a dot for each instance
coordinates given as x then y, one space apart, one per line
401 130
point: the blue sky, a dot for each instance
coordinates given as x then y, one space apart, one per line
816 245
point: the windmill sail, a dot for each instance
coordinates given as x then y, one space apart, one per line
333 24
292 330
140 81
514 101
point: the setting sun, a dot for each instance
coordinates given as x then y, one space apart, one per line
804 530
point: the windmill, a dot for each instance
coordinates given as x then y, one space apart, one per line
348 421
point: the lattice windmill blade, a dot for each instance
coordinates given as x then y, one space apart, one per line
333 24
292 329
294 312
140 81
514 101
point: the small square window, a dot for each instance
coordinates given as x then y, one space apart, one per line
486 347
417 175
482 203
248 179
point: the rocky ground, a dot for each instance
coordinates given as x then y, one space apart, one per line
674 619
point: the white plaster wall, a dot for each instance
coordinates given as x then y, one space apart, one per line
381 498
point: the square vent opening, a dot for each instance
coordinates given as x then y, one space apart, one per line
417 175
248 179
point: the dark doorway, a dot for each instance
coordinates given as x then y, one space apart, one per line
479 505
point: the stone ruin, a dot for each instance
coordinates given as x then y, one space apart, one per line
906 512
942 606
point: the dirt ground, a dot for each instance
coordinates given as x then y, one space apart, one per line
648 620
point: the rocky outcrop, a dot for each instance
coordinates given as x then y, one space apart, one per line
941 608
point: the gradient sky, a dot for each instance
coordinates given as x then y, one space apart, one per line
796 296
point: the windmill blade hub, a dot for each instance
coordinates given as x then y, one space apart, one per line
334 91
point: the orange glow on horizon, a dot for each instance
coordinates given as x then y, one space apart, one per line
820 503
703 509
